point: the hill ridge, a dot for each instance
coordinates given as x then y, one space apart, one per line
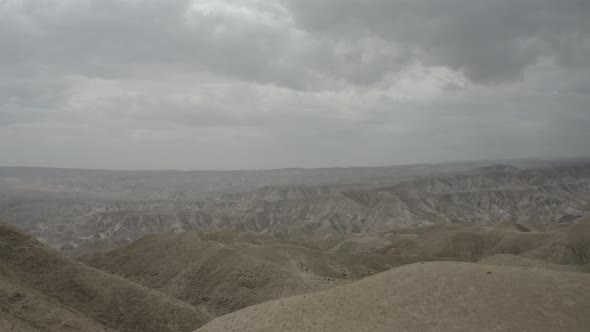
31 272
436 296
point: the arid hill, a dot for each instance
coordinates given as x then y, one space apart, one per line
207 274
571 246
226 271
41 290
564 245
81 212
437 296
533 198
513 260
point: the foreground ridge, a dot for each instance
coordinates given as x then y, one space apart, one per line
437 296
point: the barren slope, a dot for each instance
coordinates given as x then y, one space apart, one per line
208 274
513 260
571 246
560 245
226 271
123 207
43 291
440 296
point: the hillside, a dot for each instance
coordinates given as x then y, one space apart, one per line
533 198
226 271
43 291
438 296
513 260
567 244
572 246
538 199
207 274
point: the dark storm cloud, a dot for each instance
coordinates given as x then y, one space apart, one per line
261 83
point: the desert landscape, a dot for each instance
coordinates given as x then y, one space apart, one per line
293 165
496 247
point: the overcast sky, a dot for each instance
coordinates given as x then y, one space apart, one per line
242 84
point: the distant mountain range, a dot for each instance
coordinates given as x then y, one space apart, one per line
84 211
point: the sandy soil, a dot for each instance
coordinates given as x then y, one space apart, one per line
437 296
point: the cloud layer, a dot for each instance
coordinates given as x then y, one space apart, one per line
195 84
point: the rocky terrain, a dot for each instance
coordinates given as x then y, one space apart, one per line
79 222
537 197
172 184
378 255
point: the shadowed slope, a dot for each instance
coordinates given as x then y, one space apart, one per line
561 245
45 291
208 274
24 309
240 270
570 246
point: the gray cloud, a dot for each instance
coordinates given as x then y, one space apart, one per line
260 83
489 41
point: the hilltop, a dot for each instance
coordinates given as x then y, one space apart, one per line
437 296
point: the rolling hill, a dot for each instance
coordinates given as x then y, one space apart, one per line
41 290
437 296
226 271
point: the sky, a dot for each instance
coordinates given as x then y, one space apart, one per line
250 84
